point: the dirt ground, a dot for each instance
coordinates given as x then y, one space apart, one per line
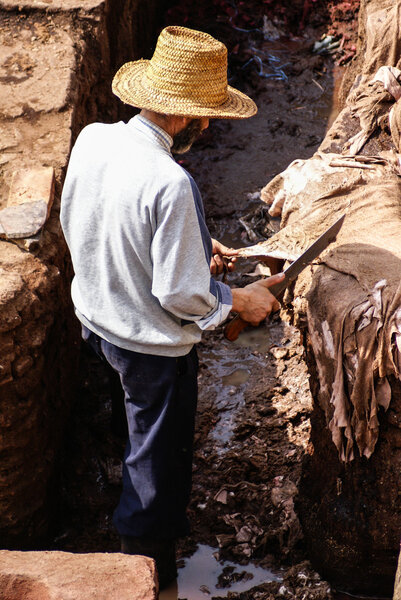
254 399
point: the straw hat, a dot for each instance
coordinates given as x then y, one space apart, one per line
186 76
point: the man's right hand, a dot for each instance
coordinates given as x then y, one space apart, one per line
254 302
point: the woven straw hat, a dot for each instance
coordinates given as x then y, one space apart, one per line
186 76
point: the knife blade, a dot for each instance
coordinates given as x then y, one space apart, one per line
236 325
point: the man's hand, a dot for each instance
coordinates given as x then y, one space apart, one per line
254 302
223 258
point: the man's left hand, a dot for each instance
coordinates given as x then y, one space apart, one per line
223 258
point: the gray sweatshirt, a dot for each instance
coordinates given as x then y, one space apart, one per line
134 222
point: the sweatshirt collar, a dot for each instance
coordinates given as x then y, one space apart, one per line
152 130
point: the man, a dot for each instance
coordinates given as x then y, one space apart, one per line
134 223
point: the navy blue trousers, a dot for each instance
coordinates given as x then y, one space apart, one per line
160 395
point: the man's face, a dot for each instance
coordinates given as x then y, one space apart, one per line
187 136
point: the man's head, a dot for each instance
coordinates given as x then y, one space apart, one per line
187 76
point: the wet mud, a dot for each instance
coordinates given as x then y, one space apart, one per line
254 399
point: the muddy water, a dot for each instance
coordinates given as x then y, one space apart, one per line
230 366
204 575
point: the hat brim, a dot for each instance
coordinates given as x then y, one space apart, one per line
129 84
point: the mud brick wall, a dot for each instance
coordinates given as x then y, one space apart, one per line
57 60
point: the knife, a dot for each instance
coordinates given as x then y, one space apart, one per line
236 325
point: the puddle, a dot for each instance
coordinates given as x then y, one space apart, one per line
228 404
256 338
198 579
236 378
231 368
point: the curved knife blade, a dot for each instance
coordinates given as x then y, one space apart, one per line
307 257
236 325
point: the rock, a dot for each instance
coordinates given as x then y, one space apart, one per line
28 185
279 352
63 575
23 220
10 285
25 63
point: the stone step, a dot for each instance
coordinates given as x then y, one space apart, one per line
63 576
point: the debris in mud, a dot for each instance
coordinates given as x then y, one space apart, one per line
343 28
267 65
300 582
270 30
238 22
258 224
327 45
229 576
253 512
249 29
282 497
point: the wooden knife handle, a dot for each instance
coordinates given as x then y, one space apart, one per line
234 328
236 325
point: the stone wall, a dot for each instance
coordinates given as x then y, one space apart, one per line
57 59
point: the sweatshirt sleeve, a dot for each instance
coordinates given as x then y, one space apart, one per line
180 252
